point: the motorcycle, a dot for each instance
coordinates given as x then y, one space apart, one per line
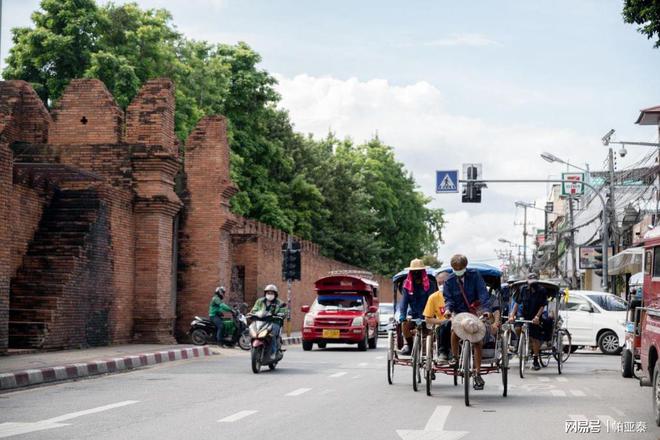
202 331
261 332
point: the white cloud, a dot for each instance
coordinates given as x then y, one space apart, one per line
427 136
469 40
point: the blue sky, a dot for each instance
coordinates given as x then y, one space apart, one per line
446 83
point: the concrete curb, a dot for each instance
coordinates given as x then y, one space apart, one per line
292 340
25 378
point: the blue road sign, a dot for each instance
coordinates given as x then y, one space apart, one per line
446 181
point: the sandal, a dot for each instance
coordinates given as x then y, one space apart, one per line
478 383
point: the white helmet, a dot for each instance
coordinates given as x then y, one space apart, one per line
271 288
220 291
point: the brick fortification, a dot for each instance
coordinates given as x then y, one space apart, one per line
97 248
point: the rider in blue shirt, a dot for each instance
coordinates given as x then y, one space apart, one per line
465 291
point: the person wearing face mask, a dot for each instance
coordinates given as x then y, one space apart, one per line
465 291
415 293
530 304
277 308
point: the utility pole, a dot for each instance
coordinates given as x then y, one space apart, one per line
613 223
525 235
573 259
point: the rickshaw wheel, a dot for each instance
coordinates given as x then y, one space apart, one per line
456 375
560 351
390 356
467 355
415 360
567 347
522 354
429 363
505 366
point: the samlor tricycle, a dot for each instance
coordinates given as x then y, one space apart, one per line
395 337
495 358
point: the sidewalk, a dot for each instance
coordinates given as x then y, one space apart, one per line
23 370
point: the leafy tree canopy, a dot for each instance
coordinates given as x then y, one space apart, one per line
646 14
357 201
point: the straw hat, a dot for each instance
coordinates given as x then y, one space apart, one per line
467 326
417 264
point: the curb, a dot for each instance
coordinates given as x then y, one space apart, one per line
292 340
26 378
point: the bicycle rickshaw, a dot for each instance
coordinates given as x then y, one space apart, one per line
395 337
495 358
556 341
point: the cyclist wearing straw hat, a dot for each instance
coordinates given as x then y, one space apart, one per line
416 291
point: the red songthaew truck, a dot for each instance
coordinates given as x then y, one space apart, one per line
650 319
345 311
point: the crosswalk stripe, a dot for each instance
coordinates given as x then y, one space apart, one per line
298 392
238 416
363 364
340 374
578 393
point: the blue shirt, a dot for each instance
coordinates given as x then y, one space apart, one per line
475 290
413 305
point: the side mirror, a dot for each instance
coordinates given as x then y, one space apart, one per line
304 309
584 308
373 309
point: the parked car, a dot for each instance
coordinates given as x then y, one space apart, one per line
386 313
595 319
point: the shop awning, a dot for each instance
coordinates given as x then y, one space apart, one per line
627 261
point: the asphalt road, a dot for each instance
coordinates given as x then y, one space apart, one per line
326 394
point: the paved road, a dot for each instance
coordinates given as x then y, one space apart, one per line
324 394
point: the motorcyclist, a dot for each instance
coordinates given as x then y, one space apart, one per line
216 308
277 308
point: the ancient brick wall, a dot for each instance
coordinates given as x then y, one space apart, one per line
86 113
149 119
5 241
27 206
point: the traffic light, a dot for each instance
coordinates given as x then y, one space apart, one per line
471 193
291 261
598 265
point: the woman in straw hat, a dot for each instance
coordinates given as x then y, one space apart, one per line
416 291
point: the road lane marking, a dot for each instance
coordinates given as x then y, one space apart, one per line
340 374
577 417
238 416
562 379
12 428
434 429
380 358
558 393
544 379
363 364
578 393
298 392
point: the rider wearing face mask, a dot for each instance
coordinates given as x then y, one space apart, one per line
276 307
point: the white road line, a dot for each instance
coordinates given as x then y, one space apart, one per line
340 374
363 364
562 379
238 416
619 412
578 393
73 415
380 358
16 428
544 379
577 417
298 392
558 393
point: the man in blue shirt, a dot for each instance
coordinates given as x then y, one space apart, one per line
416 291
465 291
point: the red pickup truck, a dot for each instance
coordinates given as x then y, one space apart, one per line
345 311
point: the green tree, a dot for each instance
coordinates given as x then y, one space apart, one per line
646 14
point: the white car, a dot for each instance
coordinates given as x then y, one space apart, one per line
385 313
595 319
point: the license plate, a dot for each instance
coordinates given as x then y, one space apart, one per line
330 333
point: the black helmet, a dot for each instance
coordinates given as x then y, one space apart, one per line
220 291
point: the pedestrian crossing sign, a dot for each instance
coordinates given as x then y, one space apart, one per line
446 181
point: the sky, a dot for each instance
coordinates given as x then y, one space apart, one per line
446 83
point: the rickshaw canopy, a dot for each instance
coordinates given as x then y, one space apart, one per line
552 289
491 274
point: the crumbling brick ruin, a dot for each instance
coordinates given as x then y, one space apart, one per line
96 246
